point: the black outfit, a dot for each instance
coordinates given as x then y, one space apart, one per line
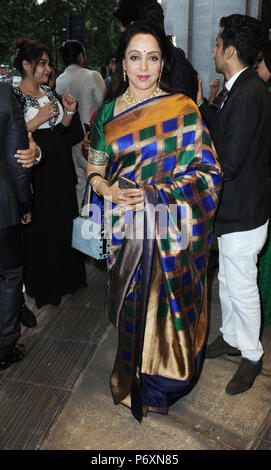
242 137
184 77
15 201
52 267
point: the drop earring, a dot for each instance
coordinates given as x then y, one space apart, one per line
160 75
124 75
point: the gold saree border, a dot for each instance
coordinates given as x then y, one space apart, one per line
142 116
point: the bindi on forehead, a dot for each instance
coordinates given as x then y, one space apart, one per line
143 51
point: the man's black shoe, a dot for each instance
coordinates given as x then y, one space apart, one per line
27 317
16 355
244 377
219 347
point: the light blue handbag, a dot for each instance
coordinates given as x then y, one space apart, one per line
89 232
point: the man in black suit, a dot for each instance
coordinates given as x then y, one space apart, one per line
15 205
241 132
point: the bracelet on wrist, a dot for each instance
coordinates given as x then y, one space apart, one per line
38 159
69 113
95 184
95 173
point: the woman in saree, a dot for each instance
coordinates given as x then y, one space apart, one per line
156 294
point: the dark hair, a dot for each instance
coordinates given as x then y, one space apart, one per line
117 85
31 51
70 51
245 34
137 10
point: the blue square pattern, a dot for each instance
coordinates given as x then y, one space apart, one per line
200 262
169 264
130 175
170 125
114 168
191 316
127 216
189 138
117 238
149 151
217 179
163 292
131 297
208 203
179 239
207 157
169 163
209 238
198 229
136 275
128 327
125 142
175 305
186 278
164 197
126 356
187 190
181 212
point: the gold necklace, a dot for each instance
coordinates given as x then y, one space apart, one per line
132 101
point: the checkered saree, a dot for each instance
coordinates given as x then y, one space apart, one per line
157 286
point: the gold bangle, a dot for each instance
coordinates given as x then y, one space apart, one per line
99 182
95 184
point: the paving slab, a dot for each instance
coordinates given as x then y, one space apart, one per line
58 397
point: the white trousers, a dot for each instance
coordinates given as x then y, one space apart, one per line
238 290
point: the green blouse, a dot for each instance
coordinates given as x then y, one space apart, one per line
97 153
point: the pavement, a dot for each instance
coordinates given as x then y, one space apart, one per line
58 397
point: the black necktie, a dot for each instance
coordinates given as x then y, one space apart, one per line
224 98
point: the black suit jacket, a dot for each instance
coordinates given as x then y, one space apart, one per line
15 181
241 132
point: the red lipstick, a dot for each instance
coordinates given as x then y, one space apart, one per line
143 77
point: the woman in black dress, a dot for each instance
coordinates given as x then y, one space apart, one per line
52 267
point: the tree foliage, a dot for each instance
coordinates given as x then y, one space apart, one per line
27 18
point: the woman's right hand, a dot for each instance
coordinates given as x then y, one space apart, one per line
214 87
46 112
26 218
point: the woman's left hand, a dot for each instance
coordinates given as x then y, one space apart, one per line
69 102
130 199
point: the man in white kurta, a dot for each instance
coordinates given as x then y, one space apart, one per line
88 87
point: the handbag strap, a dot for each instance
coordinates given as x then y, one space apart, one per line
88 192
88 188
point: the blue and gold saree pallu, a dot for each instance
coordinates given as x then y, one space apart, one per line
157 280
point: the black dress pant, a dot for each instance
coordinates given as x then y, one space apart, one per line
11 281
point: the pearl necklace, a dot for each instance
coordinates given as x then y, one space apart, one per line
131 101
